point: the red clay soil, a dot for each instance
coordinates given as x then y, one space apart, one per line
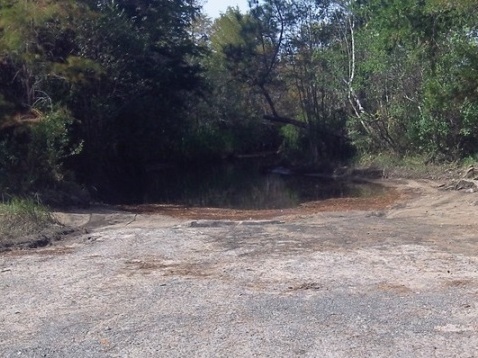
380 202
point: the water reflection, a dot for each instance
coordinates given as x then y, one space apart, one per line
245 187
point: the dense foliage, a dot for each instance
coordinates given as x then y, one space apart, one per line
97 91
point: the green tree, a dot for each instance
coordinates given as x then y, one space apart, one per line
122 69
412 60
34 39
138 102
228 116
289 54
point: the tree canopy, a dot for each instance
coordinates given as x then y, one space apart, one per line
96 91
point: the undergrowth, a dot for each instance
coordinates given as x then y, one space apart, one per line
23 217
415 166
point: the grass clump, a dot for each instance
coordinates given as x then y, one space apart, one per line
20 217
412 166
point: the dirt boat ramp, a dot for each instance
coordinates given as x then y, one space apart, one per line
393 280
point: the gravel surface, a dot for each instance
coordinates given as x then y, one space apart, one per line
401 282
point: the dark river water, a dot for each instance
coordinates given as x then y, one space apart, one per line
240 186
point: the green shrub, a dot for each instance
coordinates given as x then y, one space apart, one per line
32 155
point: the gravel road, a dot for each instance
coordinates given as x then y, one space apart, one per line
402 282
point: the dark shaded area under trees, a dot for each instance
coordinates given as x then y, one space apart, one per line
100 92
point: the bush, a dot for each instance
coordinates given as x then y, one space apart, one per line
31 155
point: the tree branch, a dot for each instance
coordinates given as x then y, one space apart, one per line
285 120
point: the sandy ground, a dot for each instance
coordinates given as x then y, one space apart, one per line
390 278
